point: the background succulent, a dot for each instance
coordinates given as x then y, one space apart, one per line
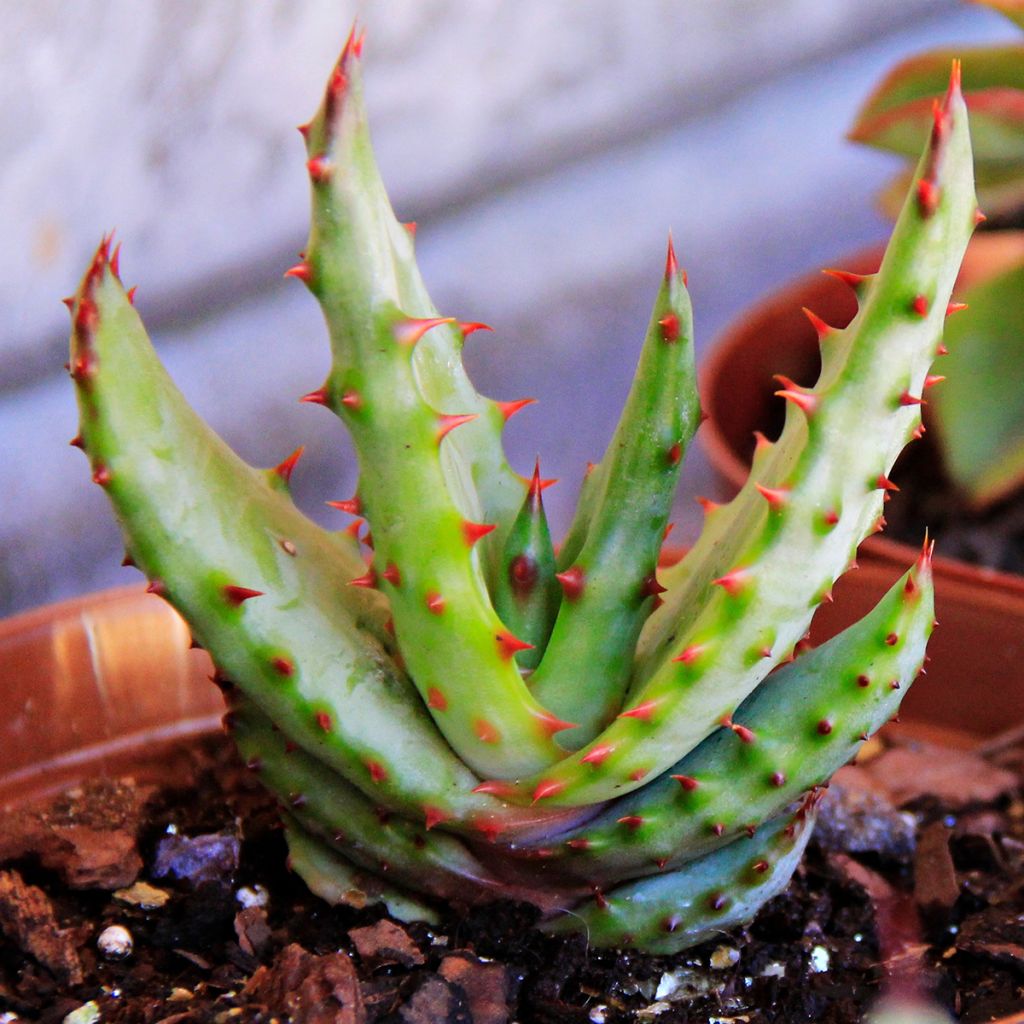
979 417
468 714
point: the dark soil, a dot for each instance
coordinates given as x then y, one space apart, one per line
915 881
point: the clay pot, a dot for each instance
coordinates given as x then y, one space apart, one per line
774 337
107 684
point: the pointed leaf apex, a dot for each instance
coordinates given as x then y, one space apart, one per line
671 264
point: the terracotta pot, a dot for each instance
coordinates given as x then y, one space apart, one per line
107 683
98 685
774 337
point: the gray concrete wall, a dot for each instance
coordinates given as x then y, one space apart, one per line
544 147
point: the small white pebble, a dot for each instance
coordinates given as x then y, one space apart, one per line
820 959
256 896
723 957
775 969
87 1013
598 1014
115 942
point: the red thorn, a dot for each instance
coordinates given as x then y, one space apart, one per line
734 582
77 442
883 483
718 901
932 379
485 731
801 398
690 654
469 328
707 504
319 168
552 723
318 397
284 469
378 773
920 305
777 779
115 261
831 517
718 828
508 644
435 603
650 587
590 467
131 294
410 226
955 307
847 277
157 587
821 328
323 721
954 78
547 788
69 301
509 409
497 787
642 712
303 130
599 754
927 197
392 575
775 496
581 843
572 581
942 350
744 734
669 328
436 699
674 454
368 579
879 525
760 442
631 821
449 423
669 527
353 528
687 782
599 899
282 666
671 263
906 398
408 332
302 271
824 727
472 532
353 505
979 217
128 562
433 816
892 640
237 596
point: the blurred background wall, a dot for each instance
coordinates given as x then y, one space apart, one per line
545 148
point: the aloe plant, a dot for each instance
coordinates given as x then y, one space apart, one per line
467 714
979 416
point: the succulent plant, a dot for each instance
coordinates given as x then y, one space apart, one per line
979 417
472 714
